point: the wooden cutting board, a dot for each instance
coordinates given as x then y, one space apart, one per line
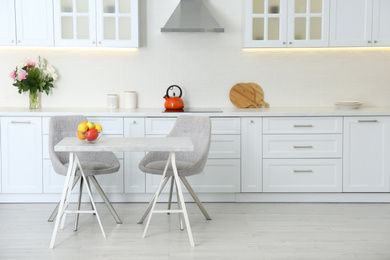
242 95
246 95
259 95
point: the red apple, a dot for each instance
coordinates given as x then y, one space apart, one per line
92 134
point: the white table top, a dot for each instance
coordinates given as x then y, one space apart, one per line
125 144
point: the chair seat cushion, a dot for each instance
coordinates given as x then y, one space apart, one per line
95 168
157 167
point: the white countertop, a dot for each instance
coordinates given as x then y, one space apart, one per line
157 112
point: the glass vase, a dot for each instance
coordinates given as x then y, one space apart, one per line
34 100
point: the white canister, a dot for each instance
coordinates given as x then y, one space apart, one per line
130 99
112 101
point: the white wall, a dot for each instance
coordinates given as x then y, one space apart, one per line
206 66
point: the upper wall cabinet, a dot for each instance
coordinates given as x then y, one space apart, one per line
26 22
96 23
282 23
360 23
7 20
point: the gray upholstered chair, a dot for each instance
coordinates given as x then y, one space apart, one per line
93 163
188 163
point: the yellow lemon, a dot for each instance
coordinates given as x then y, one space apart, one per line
82 127
90 125
98 127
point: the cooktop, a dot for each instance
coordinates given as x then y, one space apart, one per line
193 110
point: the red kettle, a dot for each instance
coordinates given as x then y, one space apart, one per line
173 102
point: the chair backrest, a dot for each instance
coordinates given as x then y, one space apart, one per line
60 127
198 128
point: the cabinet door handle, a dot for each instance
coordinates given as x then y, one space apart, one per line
367 121
297 171
20 122
369 41
302 146
303 125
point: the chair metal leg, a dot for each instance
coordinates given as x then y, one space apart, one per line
192 192
180 208
76 222
156 194
55 211
170 194
89 186
105 199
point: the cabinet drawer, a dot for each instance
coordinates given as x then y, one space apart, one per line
110 125
302 146
219 175
298 175
219 126
222 146
302 125
225 146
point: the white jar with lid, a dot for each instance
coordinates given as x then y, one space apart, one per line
112 101
130 99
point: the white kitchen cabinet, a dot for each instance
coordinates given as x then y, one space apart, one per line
222 170
380 35
366 156
26 22
251 154
134 178
21 149
282 23
302 154
96 23
360 23
7 20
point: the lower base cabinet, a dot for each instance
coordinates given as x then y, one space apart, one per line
253 156
366 154
21 150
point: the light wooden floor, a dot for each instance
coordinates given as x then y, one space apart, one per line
238 231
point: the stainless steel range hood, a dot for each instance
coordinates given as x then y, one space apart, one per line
192 16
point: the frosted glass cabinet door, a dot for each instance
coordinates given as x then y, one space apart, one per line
34 22
350 22
265 23
7 21
308 23
117 23
75 23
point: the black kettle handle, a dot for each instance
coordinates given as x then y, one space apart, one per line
171 87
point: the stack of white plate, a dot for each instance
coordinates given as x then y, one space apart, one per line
348 104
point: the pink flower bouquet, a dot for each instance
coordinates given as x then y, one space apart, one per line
29 76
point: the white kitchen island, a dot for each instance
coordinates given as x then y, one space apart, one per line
256 155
